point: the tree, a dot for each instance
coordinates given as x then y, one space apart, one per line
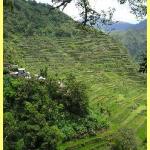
75 99
8 4
89 16
20 145
138 7
52 136
71 93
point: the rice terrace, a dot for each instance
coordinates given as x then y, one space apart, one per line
91 95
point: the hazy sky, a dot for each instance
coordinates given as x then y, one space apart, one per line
122 12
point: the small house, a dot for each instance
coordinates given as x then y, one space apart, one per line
21 72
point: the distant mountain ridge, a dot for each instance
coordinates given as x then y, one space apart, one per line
122 26
141 25
133 38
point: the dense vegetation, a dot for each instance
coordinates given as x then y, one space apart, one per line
40 115
54 46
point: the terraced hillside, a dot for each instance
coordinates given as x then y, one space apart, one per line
115 88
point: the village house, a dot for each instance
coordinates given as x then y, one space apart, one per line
21 72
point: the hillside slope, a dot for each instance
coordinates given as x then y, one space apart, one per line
34 40
135 40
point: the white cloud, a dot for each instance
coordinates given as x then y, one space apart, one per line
122 12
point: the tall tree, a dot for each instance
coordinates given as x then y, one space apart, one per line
89 15
9 4
138 7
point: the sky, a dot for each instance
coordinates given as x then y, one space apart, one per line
122 12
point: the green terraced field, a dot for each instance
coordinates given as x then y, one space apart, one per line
103 64
112 79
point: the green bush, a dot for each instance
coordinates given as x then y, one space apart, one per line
75 98
40 115
5 70
124 139
52 136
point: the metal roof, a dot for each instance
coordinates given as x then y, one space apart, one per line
21 68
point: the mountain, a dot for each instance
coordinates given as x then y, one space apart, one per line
141 25
122 26
119 26
116 91
133 38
